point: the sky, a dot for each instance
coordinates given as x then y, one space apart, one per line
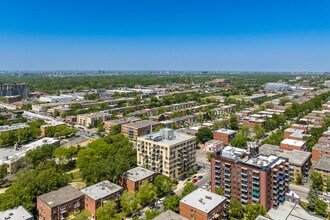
214 35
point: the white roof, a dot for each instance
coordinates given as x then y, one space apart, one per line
203 200
18 213
101 190
293 142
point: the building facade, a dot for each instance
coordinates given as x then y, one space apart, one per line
260 179
138 128
167 152
19 89
133 178
224 135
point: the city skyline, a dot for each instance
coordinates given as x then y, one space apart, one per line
147 35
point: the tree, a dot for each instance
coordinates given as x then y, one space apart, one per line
188 188
299 178
258 130
151 214
312 197
317 180
83 215
40 154
100 128
234 122
253 210
204 134
129 202
245 130
321 208
218 191
147 193
328 184
107 211
235 210
209 156
163 185
115 129
239 141
172 203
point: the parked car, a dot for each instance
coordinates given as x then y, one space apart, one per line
325 200
200 177
160 201
327 194
194 180
205 186
305 180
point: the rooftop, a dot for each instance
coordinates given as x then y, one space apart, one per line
324 163
13 127
203 200
169 215
293 142
18 213
9 154
173 139
124 120
262 161
268 149
138 174
61 196
296 157
141 124
322 147
291 211
101 190
226 131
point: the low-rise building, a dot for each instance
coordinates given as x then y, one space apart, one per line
203 205
169 215
92 119
133 178
98 194
300 162
18 213
213 145
13 157
13 127
224 135
138 128
121 121
59 204
319 150
323 167
290 144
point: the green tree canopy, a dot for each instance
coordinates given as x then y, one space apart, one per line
172 203
163 184
108 211
239 141
312 197
235 210
147 193
321 208
129 202
234 122
188 188
204 134
151 214
253 210
317 180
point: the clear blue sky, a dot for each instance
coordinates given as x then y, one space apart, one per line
242 35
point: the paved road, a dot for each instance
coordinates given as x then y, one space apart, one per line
302 192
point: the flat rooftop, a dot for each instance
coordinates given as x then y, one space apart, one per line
293 142
13 127
9 154
176 139
61 196
203 200
141 124
322 147
226 131
269 149
124 120
169 215
290 211
262 161
101 190
296 157
18 213
324 163
138 174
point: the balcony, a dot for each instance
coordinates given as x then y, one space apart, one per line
244 189
244 183
255 199
244 200
255 182
282 198
255 188
256 177
255 193
275 191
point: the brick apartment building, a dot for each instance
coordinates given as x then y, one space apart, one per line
251 121
97 194
58 204
133 178
138 128
120 122
290 144
260 179
224 135
319 150
323 167
203 205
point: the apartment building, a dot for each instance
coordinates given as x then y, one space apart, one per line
319 150
98 194
167 152
17 89
263 179
59 204
18 213
133 178
290 144
138 128
323 167
213 145
120 122
92 119
252 120
203 205
224 135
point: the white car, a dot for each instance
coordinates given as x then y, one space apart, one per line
205 186
160 201
327 194
325 200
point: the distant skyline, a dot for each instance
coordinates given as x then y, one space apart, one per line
214 35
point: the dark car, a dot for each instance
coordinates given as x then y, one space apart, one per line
200 177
